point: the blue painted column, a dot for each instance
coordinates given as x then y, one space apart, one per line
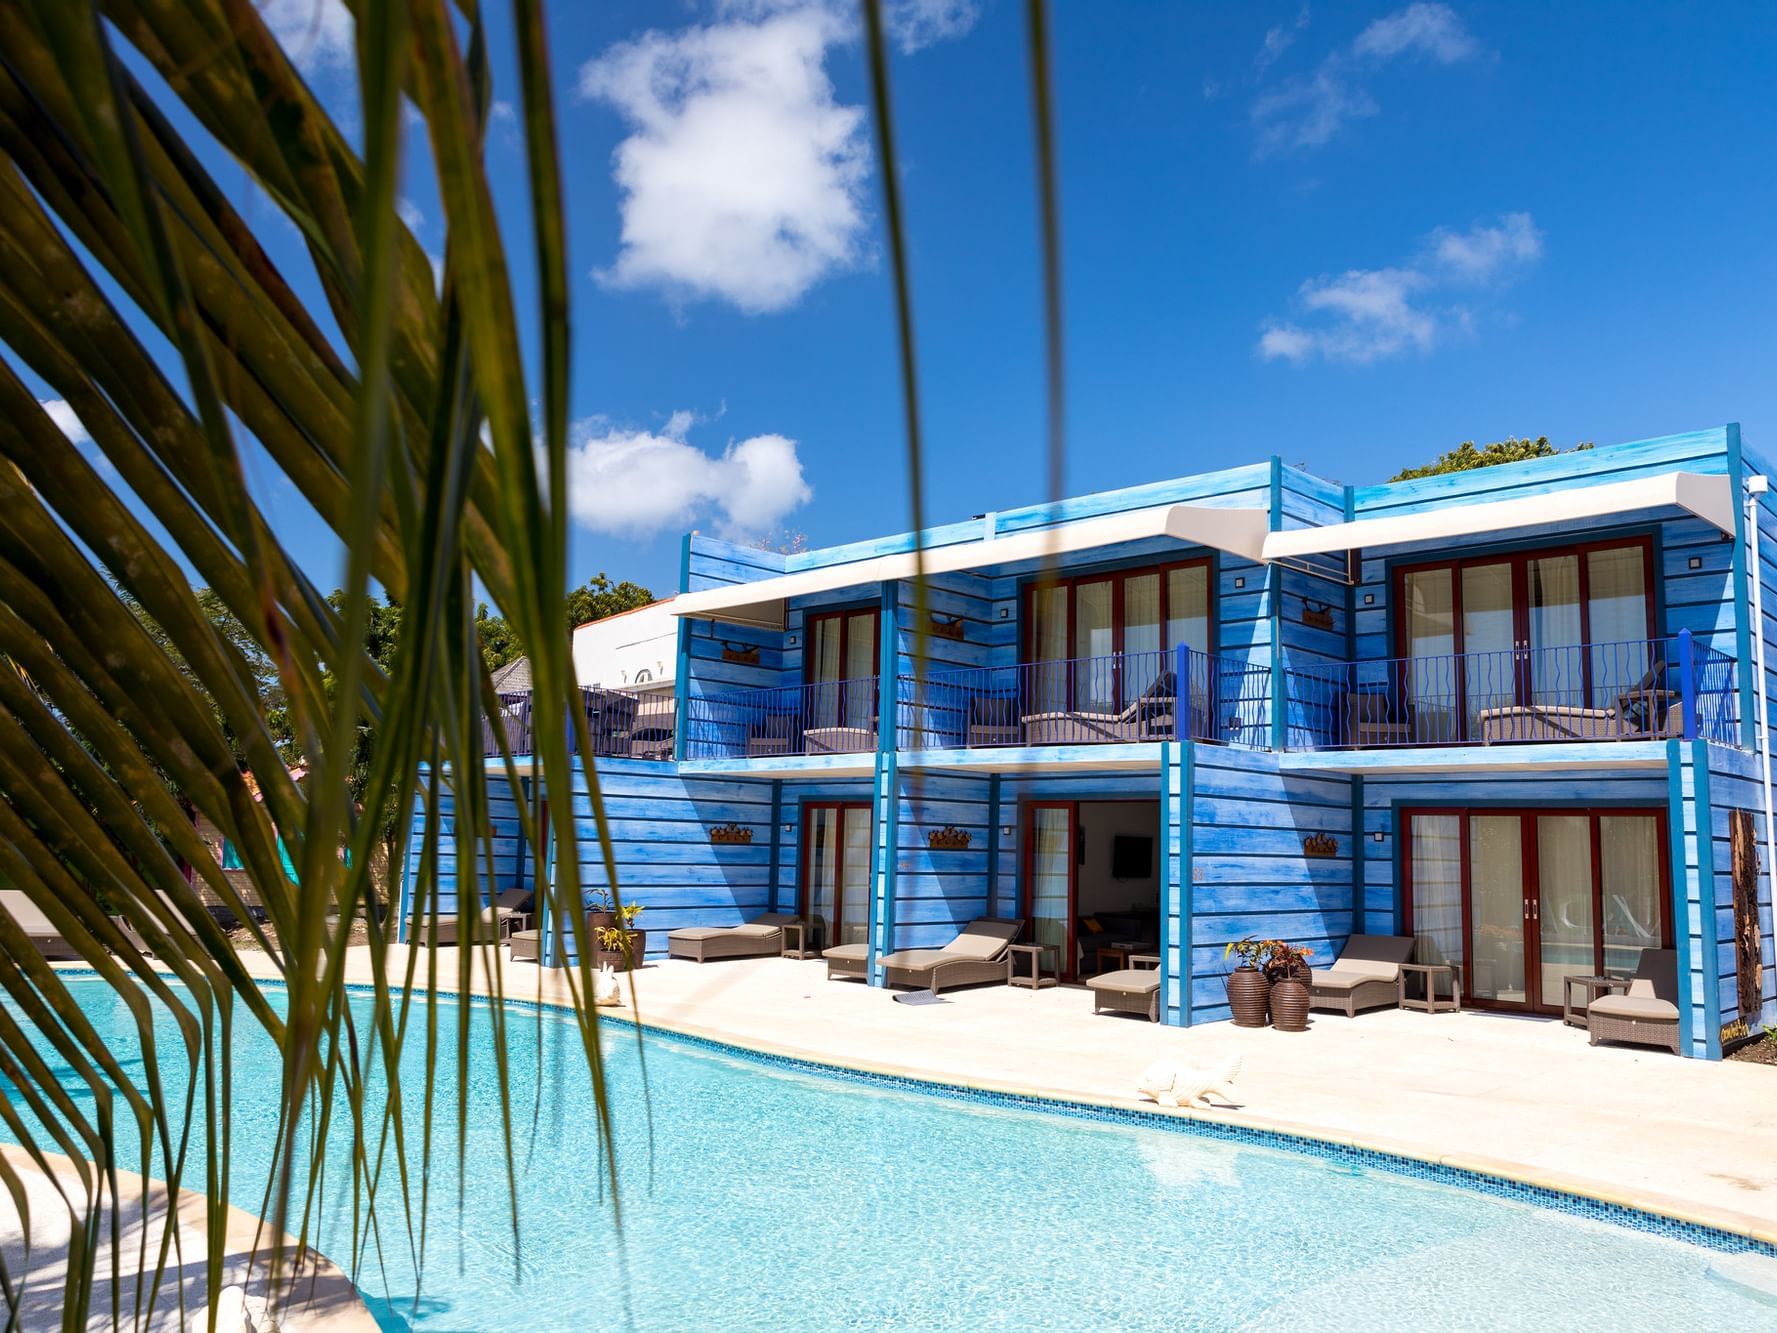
774 898
1274 616
887 806
682 667
1176 780
993 845
1742 576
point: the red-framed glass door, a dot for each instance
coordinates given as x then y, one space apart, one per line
1116 628
1519 899
835 878
1569 625
840 664
1050 886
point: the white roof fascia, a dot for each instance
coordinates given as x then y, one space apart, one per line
1710 498
1238 531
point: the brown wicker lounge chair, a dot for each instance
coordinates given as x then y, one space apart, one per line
762 937
500 918
1648 1014
1364 975
1153 717
1133 990
981 953
37 926
526 945
1646 712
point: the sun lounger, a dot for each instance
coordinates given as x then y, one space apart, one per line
1646 712
526 945
1648 1014
509 910
981 952
838 740
37 926
762 937
1132 990
1364 976
1153 717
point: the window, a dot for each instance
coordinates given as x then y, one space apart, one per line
1118 629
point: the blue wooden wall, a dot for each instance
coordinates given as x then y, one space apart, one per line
512 861
1246 871
660 837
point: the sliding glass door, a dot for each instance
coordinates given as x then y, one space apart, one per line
1519 900
836 871
1569 629
1049 877
1100 642
841 663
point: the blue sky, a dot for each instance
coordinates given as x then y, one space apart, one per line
1352 236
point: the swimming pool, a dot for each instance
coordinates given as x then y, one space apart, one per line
762 1196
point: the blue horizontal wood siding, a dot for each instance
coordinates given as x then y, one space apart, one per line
1735 784
1247 871
502 861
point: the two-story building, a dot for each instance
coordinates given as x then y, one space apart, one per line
1515 713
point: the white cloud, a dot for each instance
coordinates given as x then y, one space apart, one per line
315 34
410 214
743 177
917 24
62 414
1367 315
1307 111
1278 40
1431 30
1480 252
638 482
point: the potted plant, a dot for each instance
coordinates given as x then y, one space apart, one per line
1249 989
621 946
1286 965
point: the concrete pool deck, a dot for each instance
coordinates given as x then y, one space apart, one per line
1523 1098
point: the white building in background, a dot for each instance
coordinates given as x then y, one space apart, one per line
633 650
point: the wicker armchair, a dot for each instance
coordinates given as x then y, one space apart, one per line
1648 1014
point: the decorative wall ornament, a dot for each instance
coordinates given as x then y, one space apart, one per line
745 654
1317 614
1749 953
950 838
946 627
1320 844
737 834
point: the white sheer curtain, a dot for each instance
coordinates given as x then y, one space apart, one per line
1437 889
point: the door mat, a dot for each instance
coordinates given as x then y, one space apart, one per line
919 997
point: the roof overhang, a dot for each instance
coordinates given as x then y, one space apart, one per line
1238 531
1710 498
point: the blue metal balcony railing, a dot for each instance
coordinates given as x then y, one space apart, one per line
829 717
622 724
1120 698
1636 689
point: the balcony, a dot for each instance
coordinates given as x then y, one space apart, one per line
1122 698
828 717
622 725
1637 689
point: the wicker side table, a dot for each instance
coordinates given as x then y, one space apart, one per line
1429 973
1593 988
799 931
1034 979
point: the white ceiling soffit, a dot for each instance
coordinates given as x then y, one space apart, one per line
1710 498
1237 531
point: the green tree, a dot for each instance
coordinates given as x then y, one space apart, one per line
593 600
1466 456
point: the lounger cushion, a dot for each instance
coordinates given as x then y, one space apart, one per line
916 960
1642 1009
1130 981
847 953
1370 958
1337 978
984 939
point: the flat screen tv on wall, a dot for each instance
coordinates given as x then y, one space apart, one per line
1132 857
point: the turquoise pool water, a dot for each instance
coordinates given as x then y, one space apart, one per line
765 1198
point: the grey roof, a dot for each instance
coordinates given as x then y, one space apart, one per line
514 677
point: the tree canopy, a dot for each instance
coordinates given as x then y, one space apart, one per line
593 600
1466 456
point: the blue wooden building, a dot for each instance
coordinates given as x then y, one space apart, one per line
1516 713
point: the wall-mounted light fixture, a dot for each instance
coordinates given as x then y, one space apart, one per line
1695 562
1239 581
1006 830
1005 613
1378 836
1369 599
792 641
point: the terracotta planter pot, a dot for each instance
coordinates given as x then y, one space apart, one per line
1289 1004
1248 996
624 959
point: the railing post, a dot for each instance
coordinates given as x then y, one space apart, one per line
1687 682
1181 688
